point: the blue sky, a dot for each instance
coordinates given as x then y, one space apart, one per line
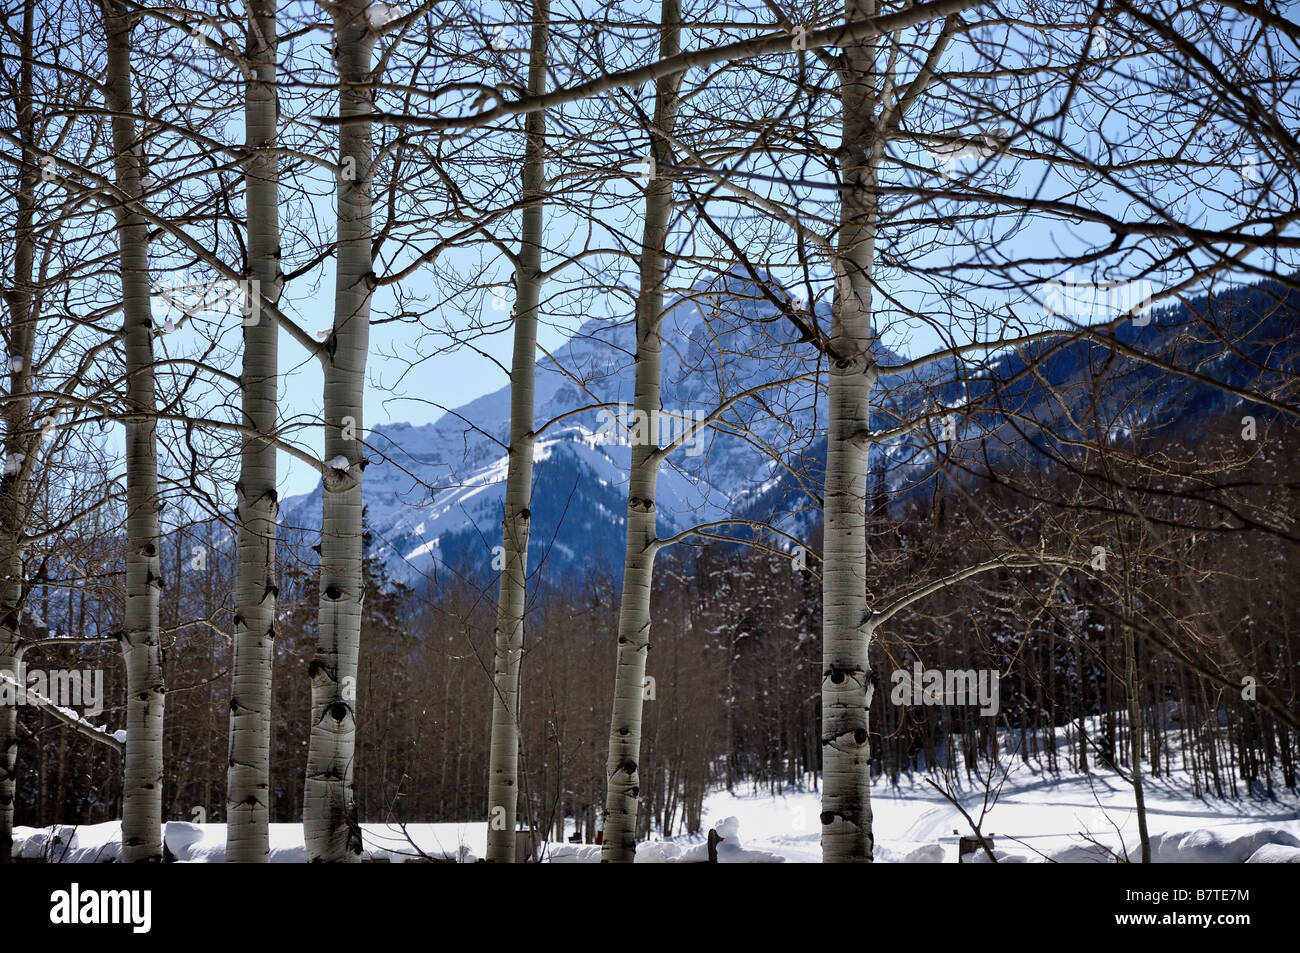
398 392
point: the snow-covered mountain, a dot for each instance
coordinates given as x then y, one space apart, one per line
434 493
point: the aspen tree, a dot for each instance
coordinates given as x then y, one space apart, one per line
503 778
143 769
18 444
846 755
622 778
329 804
248 784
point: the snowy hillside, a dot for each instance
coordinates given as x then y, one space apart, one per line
434 493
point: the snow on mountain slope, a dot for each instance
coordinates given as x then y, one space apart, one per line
434 493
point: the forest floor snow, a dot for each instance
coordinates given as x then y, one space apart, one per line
1035 816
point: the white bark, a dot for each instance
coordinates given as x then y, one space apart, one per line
622 775
1134 712
16 412
503 777
63 715
846 754
142 772
9 740
329 805
248 779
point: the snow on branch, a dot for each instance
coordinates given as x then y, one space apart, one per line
114 739
877 617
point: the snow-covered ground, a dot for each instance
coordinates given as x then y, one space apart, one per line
1035 817
206 843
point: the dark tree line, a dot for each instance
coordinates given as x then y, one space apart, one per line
732 693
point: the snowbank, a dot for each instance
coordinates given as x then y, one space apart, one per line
693 850
1275 854
206 843
1211 846
1037 816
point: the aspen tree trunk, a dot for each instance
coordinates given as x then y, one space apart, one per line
10 658
846 798
248 778
1134 715
142 774
622 777
16 413
503 780
329 804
